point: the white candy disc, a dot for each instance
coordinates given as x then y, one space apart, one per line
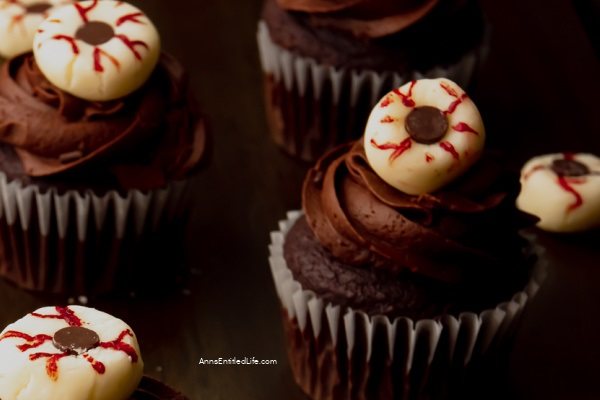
19 20
97 50
423 135
33 367
563 190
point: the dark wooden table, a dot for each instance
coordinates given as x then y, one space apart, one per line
538 91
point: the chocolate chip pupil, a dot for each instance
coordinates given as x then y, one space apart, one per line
569 168
37 8
426 124
75 340
95 33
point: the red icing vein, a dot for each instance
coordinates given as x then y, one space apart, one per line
69 39
533 170
130 18
459 99
32 341
450 149
464 127
406 98
119 345
387 119
83 11
566 185
98 53
399 149
132 45
64 313
51 363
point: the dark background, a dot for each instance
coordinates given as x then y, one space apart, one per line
538 92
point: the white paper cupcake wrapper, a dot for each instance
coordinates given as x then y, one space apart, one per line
298 72
31 219
467 336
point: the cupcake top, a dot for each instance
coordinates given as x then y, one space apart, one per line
96 91
373 18
415 195
381 35
74 352
563 190
19 21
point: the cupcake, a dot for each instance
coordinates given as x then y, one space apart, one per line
74 353
406 268
326 63
19 20
99 137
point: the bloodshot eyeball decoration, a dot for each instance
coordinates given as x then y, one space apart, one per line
19 20
69 353
423 135
563 190
97 50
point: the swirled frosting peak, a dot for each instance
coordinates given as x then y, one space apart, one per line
151 136
466 230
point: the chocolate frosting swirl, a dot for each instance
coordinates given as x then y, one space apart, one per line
363 18
459 234
145 139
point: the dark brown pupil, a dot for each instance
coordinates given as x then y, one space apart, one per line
75 340
426 124
95 33
569 168
37 8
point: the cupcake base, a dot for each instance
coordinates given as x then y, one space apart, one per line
81 243
339 353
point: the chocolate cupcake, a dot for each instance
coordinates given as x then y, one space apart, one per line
407 266
327 62
74 353
99 137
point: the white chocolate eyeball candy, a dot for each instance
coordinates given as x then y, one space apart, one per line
423 135
563 190
19 21
75 353
97 50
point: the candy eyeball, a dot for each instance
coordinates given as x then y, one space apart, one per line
97 50
19 20
563 190
423 135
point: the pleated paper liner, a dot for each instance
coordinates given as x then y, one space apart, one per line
311 108
80 243
340 353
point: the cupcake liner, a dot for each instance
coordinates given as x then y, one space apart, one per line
81 243
311 107
340 353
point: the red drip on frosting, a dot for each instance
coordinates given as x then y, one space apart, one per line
387 119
